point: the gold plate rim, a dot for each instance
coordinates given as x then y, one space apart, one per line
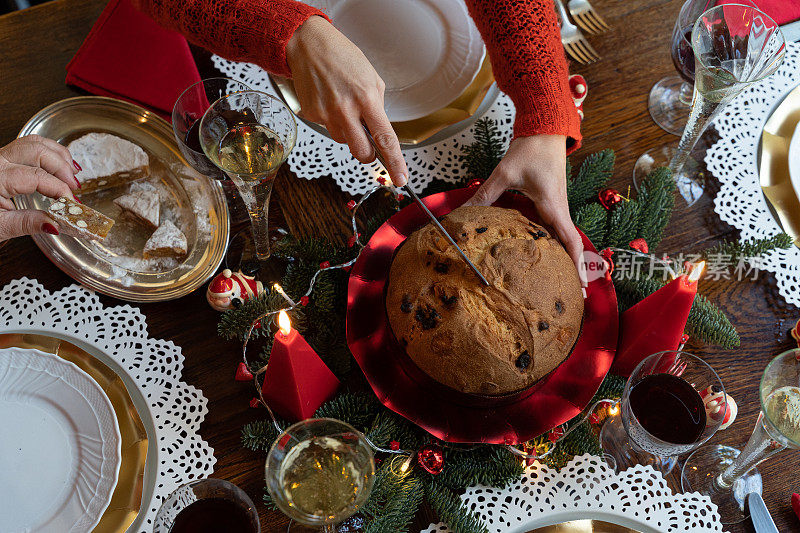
184 282
117 517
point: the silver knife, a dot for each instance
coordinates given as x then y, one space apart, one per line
762 521
427 211
791 31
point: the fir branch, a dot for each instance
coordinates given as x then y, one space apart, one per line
742 251
387 426
235 323
592 219
451 510
656 200
357 409
399 510
259 435
592 177
269 503
611 388
467 468
481 157
709 324
624 225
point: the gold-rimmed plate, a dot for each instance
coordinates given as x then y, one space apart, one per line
441 124
774 175
126 499
115 267
584 526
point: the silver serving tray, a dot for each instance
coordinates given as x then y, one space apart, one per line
105 267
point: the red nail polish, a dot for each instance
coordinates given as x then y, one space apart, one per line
76 199
78 182
49 228
76 165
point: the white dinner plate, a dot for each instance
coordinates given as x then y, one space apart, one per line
794 160
426 51
59 445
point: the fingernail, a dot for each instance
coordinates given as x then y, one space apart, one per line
77 182
76 199
76 165
49 228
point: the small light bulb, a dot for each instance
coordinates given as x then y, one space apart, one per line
614 410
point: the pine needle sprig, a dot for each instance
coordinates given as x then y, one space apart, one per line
592 220
744 250
624 225
656 200
259 435
481 157
234 324
399 511
708 323
450 510
592 176
466 469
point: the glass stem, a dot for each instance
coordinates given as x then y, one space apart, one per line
328 528
256 196
703 111
760 447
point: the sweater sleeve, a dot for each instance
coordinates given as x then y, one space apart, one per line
255 31
523 40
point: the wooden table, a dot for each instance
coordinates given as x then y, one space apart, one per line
37 44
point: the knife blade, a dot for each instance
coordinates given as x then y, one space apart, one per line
427 211
762 521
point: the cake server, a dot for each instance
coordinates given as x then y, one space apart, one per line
413 195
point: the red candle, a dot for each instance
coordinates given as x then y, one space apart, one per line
296 381
656 324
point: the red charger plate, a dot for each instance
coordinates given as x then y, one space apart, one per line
448 414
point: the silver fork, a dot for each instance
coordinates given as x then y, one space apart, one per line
677 368
586 17
573 40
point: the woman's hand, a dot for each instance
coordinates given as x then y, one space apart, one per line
338 88
33 164
536 166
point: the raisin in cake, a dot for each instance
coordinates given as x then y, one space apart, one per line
107 160
485 340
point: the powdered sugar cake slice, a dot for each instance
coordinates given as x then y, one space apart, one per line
78 220
167 241
144 205
107 160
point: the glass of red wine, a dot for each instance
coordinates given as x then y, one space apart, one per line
662 414
207 506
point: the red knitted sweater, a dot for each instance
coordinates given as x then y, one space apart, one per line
522 38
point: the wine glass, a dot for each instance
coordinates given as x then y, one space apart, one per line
319 472
662 414
249 135
728 475
734 46
671 98
189 108
205 506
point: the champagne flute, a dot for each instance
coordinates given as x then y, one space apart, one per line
662 413
734 46
249 135
727 475
320 472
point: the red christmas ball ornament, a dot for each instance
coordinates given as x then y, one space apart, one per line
324 265
304 301
255 402
351 205
609 198
243 373
431 458
640 244
394 445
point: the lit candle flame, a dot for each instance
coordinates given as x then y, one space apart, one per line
284 323
697 271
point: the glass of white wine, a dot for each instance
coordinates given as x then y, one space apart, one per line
728 475
320 472
249 135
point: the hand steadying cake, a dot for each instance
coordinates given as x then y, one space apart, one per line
27 165
338 87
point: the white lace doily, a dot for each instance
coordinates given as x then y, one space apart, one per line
588 489
177 409
733 161
316 155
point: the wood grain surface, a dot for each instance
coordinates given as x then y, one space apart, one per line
37 44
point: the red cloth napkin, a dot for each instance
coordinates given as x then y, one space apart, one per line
781 11
128 56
